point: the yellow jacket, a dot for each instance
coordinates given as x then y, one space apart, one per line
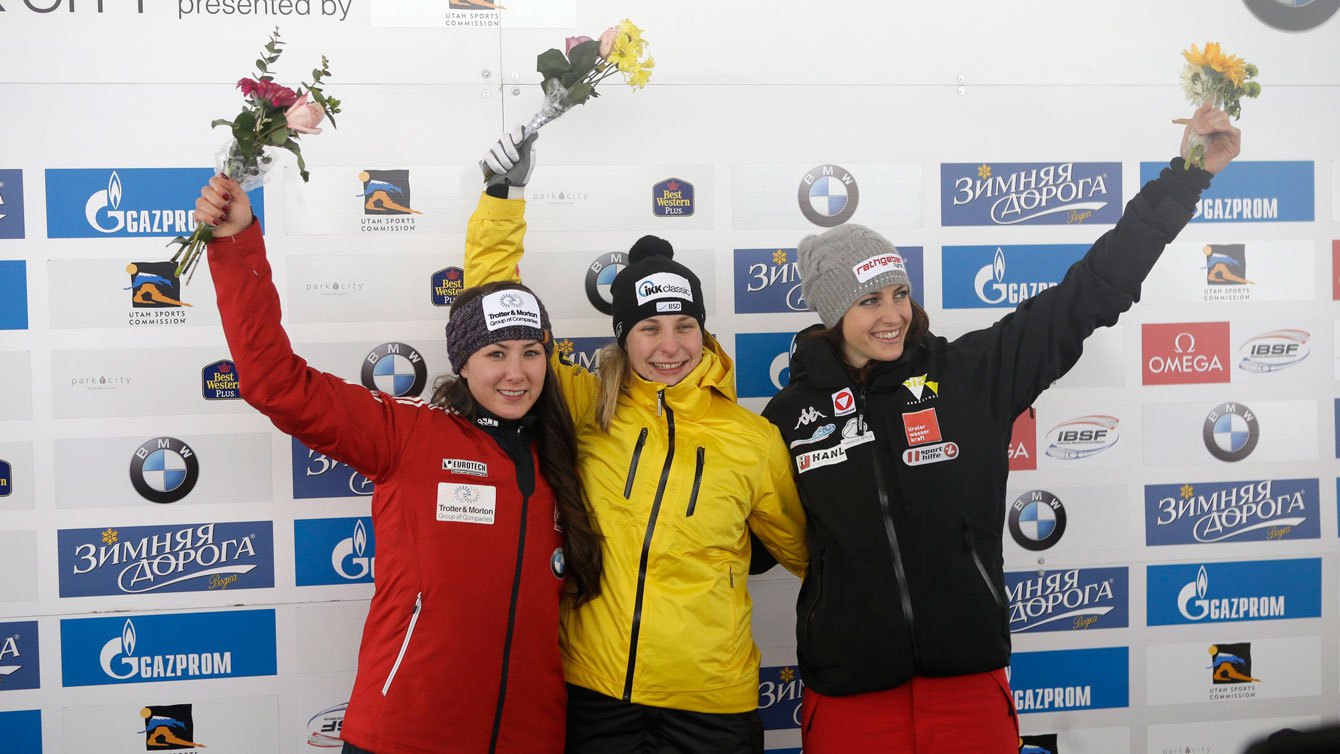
681 478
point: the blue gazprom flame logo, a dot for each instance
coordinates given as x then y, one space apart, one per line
994 271
353 550
123 648
111 197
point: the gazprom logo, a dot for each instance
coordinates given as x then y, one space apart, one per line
1236 591
126 202
334 551
1253 191
1070 679
1001 277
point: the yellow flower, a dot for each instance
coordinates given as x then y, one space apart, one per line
623 56
639 78
630 29
1235 68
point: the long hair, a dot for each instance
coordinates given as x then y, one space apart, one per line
556 452
919 326
615 372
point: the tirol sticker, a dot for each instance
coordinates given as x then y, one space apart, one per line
511 308
843 402
466 503
662 285
877 265
922 427
945 451
459 466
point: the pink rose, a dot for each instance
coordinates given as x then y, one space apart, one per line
304 116
607 42
573 42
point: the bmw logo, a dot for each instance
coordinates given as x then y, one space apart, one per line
828 195
395 368
164 470
1231 432
600 276
558 563
1037 520
1293 15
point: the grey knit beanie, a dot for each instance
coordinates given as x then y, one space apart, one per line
512 313
841 265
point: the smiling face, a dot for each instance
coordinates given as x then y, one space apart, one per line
875 326
665 348
506 377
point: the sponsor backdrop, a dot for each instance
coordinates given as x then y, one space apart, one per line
179 575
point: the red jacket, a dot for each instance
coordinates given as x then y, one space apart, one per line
460 648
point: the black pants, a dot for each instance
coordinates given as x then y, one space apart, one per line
598 724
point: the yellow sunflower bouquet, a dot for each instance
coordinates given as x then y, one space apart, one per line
1213 76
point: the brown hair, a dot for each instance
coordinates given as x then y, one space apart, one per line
556 453
919 326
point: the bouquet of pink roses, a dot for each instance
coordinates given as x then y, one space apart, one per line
273 117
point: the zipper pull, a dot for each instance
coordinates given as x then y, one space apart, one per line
860 412
660 401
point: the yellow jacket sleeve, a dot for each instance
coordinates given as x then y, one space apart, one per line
778 518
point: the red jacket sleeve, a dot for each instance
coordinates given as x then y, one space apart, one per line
344 421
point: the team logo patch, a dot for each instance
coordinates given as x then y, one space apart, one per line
672 198
877 265
918 386
558 564
466 503
600 276
828 195
1037 520
662 285
164 470
511 308
446 284
923 427
844 402
169 727
819 434
459 466
945 451
218 381
395 368
1230 432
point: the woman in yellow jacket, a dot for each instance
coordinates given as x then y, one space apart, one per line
678 475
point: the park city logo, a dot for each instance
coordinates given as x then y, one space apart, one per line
164 470
446 284
672 197
1185 353
323 728
11 204
600 276
178 558
1030 193
124 203
1083 437
396 369
767 282
168 727
1226 272
386 201
19 657
1037 520
219 382
1262 510
1274 350
1293 15
1231 672
1230 432
828 195
334 551
1072 600
1228 592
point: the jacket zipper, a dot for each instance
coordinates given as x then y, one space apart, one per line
404 646
818 592
981 569
646 544
511 625
632 465
894 550
697 480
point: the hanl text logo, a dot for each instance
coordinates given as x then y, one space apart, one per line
1212 512
181 558
1031 193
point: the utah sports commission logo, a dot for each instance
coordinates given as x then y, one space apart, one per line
164 470
395 368
600 276
828 195
1037 520
1230 432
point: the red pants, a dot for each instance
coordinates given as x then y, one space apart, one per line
966 714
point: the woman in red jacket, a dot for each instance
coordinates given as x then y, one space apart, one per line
460 648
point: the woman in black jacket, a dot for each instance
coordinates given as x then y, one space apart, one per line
899 439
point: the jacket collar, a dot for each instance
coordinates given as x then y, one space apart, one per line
691 396
817 363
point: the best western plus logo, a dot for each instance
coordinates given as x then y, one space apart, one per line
127 202
1185 353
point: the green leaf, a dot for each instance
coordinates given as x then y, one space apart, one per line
578 94
551 64
293 147
221 122
246 121
260 65
278 135
584 56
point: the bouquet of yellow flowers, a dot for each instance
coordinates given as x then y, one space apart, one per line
570 76
1219 79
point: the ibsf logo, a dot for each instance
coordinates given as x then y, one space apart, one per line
1063 193
1072 600
1003 276
779 696
1230 432
334 551
323 728
164 470
318 475
767 281
447 283
126 202
218 381
1185 353
11 204
600 276
1274 350
1266 510
1083 437
396 369
1037 520
828 195
183 558
169 727
19 656
672 197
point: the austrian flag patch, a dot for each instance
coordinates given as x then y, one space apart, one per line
844 402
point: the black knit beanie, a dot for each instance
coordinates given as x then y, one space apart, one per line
653 283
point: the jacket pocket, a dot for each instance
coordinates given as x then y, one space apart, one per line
404 645
818 593
632 465
697 480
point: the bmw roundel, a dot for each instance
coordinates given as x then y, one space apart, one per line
828 195
164 470
558 563
600 276
1037 520
395 368
1230 432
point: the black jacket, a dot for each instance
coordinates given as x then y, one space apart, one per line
906 575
